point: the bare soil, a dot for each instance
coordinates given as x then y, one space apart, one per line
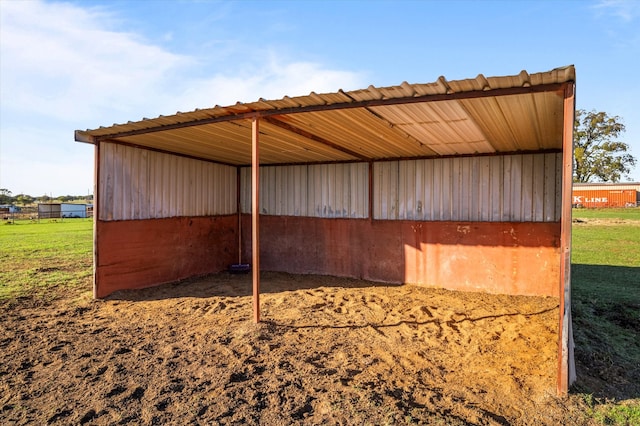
328 351
600 221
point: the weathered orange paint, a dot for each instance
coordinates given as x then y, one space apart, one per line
604 198
505 258
143 253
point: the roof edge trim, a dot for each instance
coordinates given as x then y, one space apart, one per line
82 136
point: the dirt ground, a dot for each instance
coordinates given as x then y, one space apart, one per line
328 351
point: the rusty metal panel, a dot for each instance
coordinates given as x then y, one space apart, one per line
515 188
141 184
324 190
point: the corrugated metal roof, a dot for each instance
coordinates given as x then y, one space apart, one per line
482 115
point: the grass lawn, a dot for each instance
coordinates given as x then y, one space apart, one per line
606 312
613 213
45 259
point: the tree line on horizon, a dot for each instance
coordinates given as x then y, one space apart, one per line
7 197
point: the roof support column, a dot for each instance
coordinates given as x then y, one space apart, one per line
255 216
97 202
566 366
370 192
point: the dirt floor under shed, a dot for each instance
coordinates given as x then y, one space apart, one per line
329 351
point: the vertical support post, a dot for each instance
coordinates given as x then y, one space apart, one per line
566 367
239 213
255 216
370 194
96 216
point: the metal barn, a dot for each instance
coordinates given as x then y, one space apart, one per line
61 210
463 184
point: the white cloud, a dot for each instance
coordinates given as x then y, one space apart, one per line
626 10
59 61
66 67
272 78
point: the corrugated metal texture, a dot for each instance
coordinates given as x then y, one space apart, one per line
442 126
327 190
510 188
230 143
480 115
363 132
142 184
516 123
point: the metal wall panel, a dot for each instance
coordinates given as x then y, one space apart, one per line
512 188
325 190
142 184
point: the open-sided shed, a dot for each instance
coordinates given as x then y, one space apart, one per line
462 184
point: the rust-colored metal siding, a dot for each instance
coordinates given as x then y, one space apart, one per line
510 188
506 258
591 198
142 184
323 190
143 253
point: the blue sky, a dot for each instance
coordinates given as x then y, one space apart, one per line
84 64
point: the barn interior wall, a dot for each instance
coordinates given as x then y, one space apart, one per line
143 253
503 258
487 223
162 218
138 183
316 190
473 223
501 188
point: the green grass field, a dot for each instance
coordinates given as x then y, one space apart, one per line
605 277
45 259
613 213
49 260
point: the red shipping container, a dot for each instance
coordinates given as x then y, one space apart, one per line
604 198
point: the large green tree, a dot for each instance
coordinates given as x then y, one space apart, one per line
5 196
24 199
597 153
